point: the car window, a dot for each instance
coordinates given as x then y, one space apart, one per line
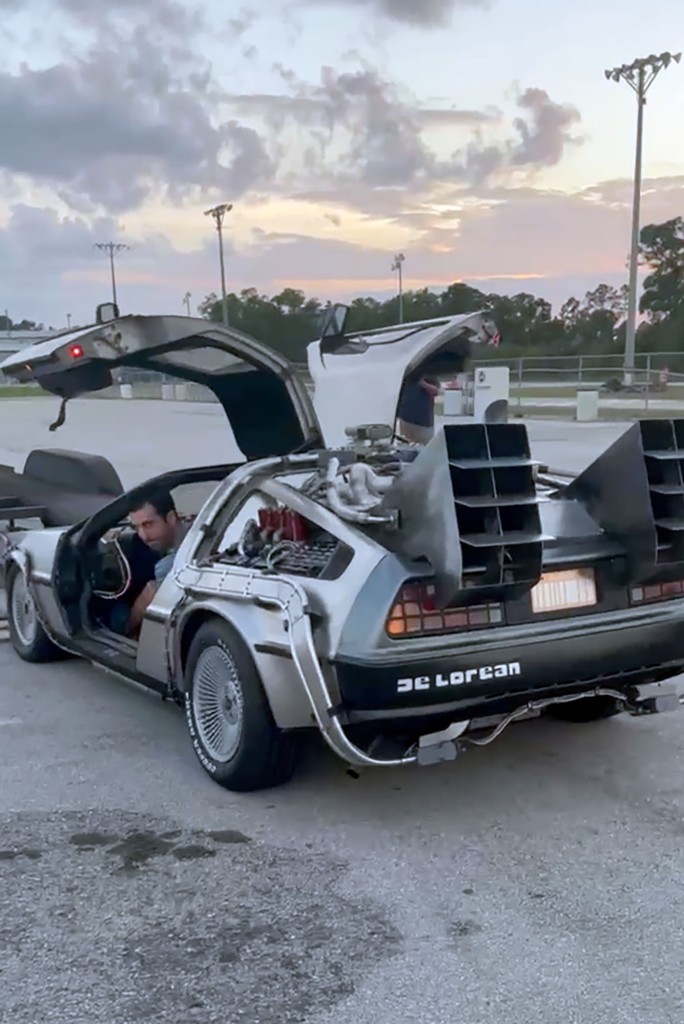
248 510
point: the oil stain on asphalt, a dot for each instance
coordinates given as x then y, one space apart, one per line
110 918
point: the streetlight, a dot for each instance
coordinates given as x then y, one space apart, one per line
639 75
186 300
111 248
218 213
398 260
68 321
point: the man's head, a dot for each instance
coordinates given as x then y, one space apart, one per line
156 520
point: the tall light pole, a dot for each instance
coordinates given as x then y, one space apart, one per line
218 213
111 248
639 75
186 300
68 321
397 265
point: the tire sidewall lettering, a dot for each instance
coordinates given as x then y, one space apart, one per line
211 766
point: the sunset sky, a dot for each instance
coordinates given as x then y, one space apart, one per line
479 137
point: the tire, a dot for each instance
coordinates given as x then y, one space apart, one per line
591 709
252 753
27 636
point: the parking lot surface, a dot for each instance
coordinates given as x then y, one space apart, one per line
537 880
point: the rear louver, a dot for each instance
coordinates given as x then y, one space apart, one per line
497 509
663 447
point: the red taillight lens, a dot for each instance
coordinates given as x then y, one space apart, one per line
75 351
657 592
414 613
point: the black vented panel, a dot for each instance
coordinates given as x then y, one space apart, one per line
496 504
663 446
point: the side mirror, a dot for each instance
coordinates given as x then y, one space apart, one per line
105 312
334 320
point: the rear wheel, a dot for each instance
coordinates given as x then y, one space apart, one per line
589 709
231 725
27 636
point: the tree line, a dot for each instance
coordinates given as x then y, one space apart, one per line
593 325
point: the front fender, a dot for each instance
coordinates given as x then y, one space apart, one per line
284 691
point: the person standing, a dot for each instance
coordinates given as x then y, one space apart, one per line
416 411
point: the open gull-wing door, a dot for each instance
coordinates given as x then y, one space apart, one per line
266 402
358 377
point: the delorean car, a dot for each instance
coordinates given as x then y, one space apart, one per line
405 601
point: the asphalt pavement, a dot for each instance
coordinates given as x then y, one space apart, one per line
533 881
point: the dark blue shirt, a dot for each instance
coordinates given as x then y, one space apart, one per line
416 405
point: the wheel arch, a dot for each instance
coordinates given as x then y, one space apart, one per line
284 691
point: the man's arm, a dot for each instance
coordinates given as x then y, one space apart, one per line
432 389
140 606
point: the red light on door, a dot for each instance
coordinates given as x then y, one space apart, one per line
75 351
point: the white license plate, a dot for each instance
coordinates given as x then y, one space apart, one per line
559 591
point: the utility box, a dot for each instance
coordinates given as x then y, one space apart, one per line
453 402
491 394
587 406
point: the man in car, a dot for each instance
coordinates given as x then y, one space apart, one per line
157 524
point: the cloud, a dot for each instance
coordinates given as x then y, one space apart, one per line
498 245
169 16
49 267
422 13
122 124
543 133
365 129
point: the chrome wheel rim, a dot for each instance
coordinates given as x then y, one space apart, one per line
23 611
217 703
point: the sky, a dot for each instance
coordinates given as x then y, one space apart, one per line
480 138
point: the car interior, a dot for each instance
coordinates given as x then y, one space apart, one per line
115 564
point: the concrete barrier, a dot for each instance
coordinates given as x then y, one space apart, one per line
126 390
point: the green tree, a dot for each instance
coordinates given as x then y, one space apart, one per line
662 251
596 324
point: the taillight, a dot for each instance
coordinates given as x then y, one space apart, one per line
657 592
414 613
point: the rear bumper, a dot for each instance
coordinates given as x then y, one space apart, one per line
617 649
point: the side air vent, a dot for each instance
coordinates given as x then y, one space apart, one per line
497 508
663 445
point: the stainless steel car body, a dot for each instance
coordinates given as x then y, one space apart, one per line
273 615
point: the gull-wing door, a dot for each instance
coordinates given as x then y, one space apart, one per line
358 378
264 397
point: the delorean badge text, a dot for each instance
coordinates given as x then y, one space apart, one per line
469 675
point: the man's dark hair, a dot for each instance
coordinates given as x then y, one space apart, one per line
159 498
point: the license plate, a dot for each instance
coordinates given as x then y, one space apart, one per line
559 591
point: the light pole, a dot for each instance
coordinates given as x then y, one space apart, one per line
186 300
397 265
111 248
639 75
68 321
218 213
